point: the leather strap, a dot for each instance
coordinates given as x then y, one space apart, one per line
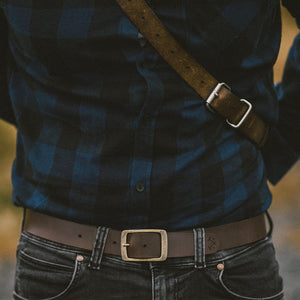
225 103
146 245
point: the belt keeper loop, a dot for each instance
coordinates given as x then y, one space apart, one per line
98 249
23 219
270 224
199 246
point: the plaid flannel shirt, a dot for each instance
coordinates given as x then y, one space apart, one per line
109 134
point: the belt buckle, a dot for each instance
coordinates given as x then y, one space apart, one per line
125 245
214 94
243 117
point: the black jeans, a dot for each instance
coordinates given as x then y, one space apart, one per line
49 270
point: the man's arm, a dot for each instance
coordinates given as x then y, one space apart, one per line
6 111
288 91
283 146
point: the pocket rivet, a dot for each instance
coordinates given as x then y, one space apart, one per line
220 267
79 258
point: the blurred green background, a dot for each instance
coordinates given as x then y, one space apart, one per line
285 209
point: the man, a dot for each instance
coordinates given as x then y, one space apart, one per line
110 138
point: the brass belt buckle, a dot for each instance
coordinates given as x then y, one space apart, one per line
125 245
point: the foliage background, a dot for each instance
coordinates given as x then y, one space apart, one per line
285 209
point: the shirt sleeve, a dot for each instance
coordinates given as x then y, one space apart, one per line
6 111
282 149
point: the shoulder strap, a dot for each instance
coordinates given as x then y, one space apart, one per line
237 112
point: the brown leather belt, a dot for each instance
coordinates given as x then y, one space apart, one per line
150 244
237 112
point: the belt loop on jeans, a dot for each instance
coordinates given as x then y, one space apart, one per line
23 219
269 218
98 248
199 244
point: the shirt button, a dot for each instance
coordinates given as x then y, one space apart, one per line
148 118
141 39
140 187
143 65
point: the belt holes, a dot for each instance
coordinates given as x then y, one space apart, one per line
158 35
172 51
187 67
143 17
144 245
202 82
114 242
79 235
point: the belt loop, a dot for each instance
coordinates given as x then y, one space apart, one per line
98 248
23 219
270 223
199 244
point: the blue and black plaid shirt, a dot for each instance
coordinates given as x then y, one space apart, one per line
109 134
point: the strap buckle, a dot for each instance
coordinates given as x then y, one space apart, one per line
214 94
125 244
243 117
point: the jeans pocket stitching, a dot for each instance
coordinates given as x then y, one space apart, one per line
40 241
240 252
67 289
25 256
240 296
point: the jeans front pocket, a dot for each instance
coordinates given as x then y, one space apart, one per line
44 271
252 275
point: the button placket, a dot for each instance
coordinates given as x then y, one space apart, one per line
144 133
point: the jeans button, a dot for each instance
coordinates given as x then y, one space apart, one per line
140 187
79 258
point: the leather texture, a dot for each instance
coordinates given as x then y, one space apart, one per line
146 245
